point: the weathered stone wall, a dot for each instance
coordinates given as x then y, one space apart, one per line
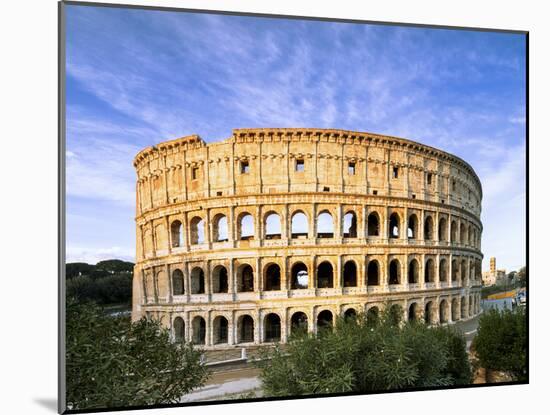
431 266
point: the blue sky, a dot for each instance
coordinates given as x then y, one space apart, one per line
135 78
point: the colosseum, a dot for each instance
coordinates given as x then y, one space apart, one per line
240 242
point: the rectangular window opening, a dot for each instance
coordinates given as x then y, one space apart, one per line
245 167
414 196
429 178
194 173
300 165
326 189
375 192
219 193
351 168
396 172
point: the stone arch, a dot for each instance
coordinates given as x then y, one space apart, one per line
412 226
325 275
245 329
298 322
394 229
443 270
220 228
455 310
443 311
453 232
199 330
429 312
463 271
221 330
245 278
373 224
462 233
394 272
470 236
428 228
325 225
372 315
373 273
220 279
272 324
429 271
471 305
161 237
197 281
350 224
176 234
196 228
350 274
299 227
147 242
395 314
272 225
454 270
178 285
272 281
413 272
179 330
350 313
413 312
463 309
299 278
245 227
442 229
325 320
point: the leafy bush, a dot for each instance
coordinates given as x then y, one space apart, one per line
113 363
116 288
501 342
359 356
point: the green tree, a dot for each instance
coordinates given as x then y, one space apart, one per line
501 342
111 362
362 355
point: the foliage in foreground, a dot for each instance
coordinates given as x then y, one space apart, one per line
116 288
364 356
112 362
501 342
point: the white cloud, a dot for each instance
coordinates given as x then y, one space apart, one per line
92 255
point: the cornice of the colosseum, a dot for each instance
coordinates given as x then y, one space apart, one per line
306 135
298 197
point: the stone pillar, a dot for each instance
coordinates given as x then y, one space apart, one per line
258 277
170 288
338 278
231 323
232 278
405 225
284 328
232 228
284 276
258 328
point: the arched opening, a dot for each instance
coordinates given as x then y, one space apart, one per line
350 314
325 225
373 224
470 236
455 310
463 310
454 270
324 275
350 274
428 228
394 226
443 269
298 323
299 226
197 281
373 274
413 272
272 226
177 282
299 276
350 225
412 228
372 316
199 330
471 305
179 330
246 227
245 278
453 232
462 233
443 311
220 231
272 328
463 271
272 278
413 311
395 272
442 231
197 230
395 314
324 320
176 230
428 313
245 329
220 330
220 282
429 271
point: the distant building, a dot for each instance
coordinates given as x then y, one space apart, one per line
494 275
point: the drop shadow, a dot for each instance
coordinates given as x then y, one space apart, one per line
48 403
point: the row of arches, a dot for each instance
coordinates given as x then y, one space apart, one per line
455 232
324 275
431 311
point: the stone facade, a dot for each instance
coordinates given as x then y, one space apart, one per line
494 275
243 240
